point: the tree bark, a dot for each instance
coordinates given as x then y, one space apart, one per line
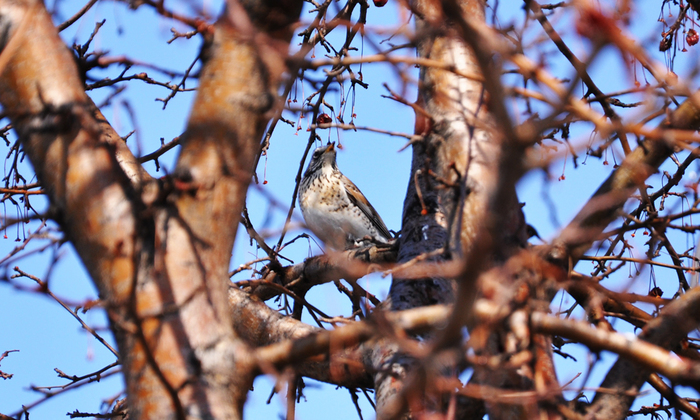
453 189
160 264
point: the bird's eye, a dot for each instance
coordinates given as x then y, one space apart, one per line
316 154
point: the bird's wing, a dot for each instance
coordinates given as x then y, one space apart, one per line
359 199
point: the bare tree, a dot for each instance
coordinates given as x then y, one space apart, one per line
469 294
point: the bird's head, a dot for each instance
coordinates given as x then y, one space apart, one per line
323 157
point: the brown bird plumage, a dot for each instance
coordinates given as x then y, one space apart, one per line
334 209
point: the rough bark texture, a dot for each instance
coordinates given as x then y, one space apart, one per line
453 186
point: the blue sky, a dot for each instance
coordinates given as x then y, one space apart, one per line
48 337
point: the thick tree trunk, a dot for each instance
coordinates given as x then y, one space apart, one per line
448 211
158 253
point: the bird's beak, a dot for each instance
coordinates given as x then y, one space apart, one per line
329 147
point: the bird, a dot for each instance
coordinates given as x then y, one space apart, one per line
334 209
